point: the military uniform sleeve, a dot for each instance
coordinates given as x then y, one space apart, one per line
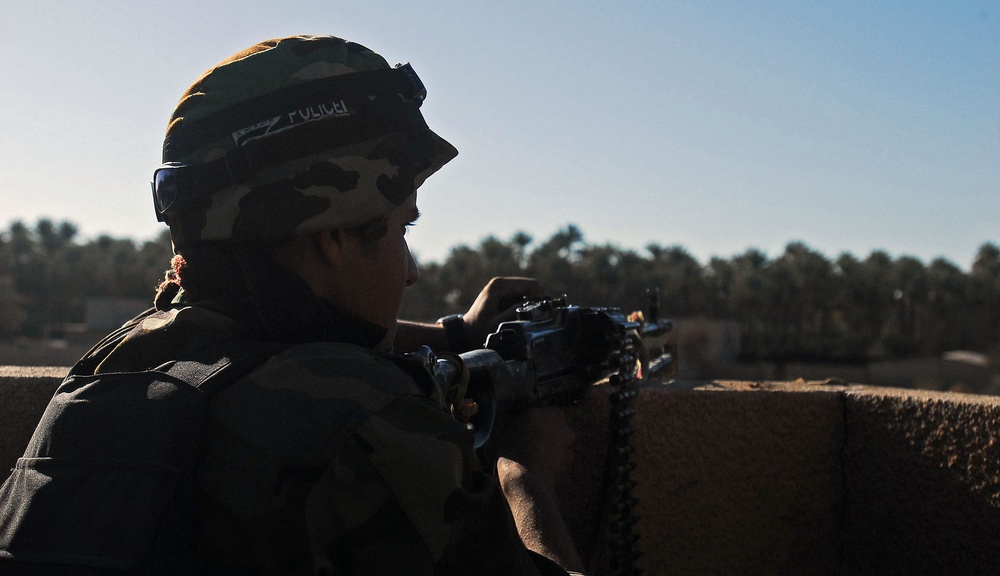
315 466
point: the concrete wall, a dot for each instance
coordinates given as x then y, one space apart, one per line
762 478
803 478
24 392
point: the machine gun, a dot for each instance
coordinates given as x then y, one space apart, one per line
551 355
557 351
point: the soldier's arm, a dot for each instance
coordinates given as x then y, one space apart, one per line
535 449
495 304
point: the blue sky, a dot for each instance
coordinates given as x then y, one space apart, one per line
718 126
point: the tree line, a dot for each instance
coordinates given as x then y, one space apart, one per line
799 305
47 274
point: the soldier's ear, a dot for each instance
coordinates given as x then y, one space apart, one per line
331 246
318 258
309 254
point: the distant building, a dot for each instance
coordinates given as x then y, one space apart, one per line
967 357
104 314
705 345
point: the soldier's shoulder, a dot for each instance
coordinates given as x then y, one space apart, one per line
328 370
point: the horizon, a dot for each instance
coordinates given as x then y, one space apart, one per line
537 240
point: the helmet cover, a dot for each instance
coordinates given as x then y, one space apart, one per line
320 160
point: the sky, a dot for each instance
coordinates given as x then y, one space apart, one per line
718 126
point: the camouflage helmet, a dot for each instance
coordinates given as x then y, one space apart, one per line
293 135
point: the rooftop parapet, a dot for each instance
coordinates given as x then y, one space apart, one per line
760 477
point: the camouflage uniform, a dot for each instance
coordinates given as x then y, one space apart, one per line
329 459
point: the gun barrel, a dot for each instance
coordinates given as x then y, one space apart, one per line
656 354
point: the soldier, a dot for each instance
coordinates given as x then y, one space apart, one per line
289 180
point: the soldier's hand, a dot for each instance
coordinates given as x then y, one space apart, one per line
497 303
